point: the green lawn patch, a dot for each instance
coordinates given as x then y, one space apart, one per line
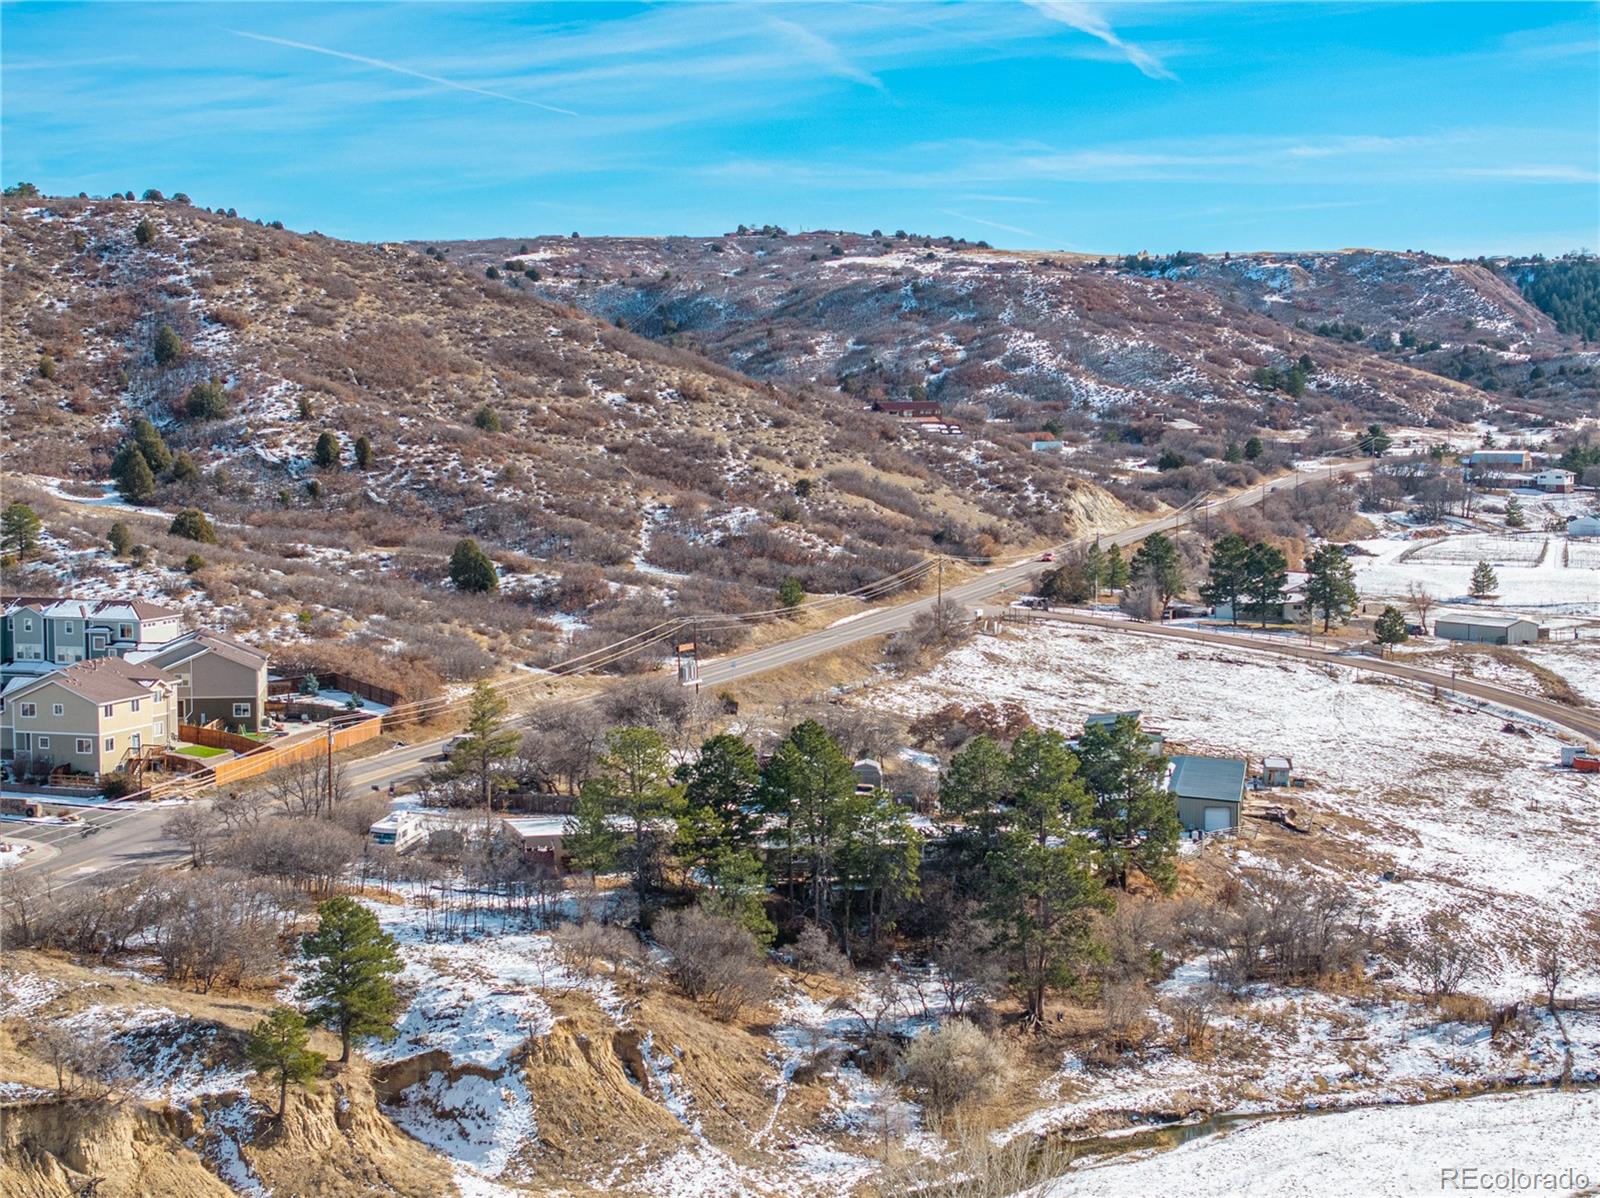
202 751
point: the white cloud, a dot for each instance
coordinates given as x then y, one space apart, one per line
397 69
823 52
1087 18
992 224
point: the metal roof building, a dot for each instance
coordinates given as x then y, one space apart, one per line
1486 629
1210 791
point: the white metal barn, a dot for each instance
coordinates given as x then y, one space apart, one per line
1486 630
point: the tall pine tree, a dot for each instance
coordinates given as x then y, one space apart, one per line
1331 584
353 963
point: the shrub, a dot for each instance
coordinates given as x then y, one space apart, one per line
953 1064
184 469
192 525
488 419
327 451
714 960
363 453
120 538
47 367
471 569
144 232
207 401
168 346
193 564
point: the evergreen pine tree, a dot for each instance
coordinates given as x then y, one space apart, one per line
277 1050
121 539
353 962
1137 816
634 781
19 530
1116 569
1266 579
719 792
471 568
1253 449
791 593
803 784
1156 562
1390 628
1228 574
327 451
168 345
486 744
1331 584
135 481
363 453
1484 581
588 839
1514 514
1041 888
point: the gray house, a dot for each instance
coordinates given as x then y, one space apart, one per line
1210 791
219 678
45 633
1486 629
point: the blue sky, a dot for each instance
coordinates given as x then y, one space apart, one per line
1460 128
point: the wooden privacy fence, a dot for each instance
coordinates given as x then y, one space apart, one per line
218 738
334 680
266 756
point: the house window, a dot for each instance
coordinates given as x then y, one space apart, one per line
111 744
57 709
241 710
27 626
160 729
61 655
133 741
67 627
125 631
85 744
44 742
133 705
27 710
106 709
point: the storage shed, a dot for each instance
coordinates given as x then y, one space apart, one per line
1210 791
1275 771
1486 629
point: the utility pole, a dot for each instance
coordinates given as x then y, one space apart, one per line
938 609
330 769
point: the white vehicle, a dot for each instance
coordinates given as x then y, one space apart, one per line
399 830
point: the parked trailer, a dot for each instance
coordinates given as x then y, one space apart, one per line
10 805
1586 765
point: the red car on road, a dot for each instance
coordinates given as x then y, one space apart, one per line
1047 556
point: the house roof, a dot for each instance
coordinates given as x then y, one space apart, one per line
206 640
1217 778
114 608
1475 620
1277 763
1109 717
101 680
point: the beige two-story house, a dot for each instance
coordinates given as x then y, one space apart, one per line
89 717
219 678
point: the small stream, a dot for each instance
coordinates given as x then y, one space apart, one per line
1162 1135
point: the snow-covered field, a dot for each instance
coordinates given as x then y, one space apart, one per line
1389 1152
1464 816
1539 574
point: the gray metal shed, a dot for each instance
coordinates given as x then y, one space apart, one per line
1210 791
1486 630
